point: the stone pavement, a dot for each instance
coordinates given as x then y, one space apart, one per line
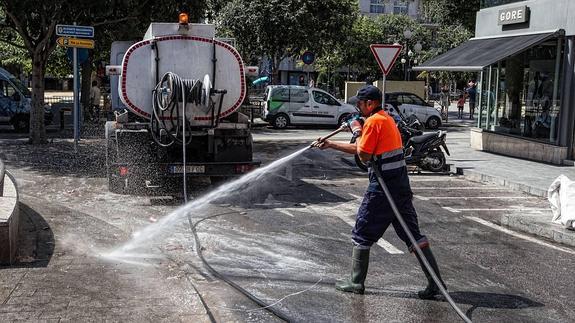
517 174
60 278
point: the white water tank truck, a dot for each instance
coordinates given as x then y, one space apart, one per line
181 89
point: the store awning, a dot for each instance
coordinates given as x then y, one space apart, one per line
477 53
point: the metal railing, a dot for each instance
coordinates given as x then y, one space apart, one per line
58 99
2 173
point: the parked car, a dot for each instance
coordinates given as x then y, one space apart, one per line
286 105
410 104
15 103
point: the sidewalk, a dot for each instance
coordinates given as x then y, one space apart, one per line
517 174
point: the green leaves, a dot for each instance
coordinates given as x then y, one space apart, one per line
282 28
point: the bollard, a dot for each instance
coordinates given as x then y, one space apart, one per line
2 171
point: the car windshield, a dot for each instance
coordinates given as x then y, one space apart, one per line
23 89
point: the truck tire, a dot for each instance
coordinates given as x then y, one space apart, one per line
218 180
115 184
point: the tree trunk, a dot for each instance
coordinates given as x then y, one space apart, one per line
276 77
85 87
37 128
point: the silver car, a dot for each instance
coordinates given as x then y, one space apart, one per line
300 105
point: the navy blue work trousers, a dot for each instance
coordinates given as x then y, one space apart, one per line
375 215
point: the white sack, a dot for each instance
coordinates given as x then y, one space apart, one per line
561 196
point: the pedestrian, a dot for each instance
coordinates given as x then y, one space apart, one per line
95 100
472 94
311 83
444 102
380 143
460 105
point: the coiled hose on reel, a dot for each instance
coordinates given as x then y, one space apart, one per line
166 122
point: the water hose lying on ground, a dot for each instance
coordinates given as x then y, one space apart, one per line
417 249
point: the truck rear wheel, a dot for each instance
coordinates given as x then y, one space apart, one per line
115 184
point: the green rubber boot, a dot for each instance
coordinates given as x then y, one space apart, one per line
432 289
359 264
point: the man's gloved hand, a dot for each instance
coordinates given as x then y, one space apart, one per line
355 124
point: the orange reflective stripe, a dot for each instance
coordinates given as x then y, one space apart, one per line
380 135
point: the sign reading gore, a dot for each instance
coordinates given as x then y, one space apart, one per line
515 15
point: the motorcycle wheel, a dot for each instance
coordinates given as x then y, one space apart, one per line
435 161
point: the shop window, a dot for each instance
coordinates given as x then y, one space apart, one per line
522 94
377 6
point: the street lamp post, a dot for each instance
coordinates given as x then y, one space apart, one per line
407 35
409 55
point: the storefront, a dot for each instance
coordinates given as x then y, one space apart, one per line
524 55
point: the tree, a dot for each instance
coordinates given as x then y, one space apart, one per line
34 22
278 29
354 53
451 12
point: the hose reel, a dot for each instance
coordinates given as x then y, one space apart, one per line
169 99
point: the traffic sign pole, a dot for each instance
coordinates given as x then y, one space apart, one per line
76 99
383 93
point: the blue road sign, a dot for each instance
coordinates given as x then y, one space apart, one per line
75 31
308 57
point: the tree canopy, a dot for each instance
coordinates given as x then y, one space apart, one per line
278 29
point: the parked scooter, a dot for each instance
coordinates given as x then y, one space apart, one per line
426 151
423 150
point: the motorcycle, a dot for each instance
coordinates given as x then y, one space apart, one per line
426 151
423 150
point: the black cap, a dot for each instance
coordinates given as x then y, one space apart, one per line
369 92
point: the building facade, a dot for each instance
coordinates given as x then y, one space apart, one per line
397 7
524 56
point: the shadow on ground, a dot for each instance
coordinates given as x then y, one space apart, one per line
57 157
474 299
35 240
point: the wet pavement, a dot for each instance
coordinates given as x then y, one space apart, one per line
285 241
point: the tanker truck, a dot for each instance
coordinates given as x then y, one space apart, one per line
176 110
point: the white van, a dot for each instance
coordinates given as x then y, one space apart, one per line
300 105
15 103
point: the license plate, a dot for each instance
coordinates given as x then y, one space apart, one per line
190 169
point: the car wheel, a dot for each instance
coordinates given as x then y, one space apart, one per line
433 123
280 121
21 124
342 118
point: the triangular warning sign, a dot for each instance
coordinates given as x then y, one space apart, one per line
385 55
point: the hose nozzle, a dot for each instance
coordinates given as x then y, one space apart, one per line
340 129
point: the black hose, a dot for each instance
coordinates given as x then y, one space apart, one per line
165 119
219 275
415 245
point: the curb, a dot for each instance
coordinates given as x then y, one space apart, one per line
533 225
537 225
480 177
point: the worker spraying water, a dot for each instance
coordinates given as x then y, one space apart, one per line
381 140
388 199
